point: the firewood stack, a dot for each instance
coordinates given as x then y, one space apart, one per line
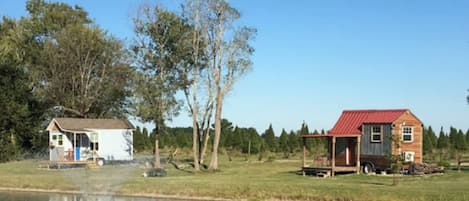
425 168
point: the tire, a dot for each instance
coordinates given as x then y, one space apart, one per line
367 168
100 162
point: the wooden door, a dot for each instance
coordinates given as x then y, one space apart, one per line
351 146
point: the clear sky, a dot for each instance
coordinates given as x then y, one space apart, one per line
314 59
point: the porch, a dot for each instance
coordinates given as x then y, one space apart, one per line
343 155
68 147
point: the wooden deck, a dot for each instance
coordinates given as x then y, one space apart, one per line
326 171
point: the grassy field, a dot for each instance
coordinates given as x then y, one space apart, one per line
238 179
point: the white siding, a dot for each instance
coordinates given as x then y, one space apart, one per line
115 144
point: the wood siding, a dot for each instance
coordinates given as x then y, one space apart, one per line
408 119
382 148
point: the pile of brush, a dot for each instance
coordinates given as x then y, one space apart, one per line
425 168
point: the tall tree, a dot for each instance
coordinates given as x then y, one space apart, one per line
162 53
21 117
229 57
199 101
76 65
23 114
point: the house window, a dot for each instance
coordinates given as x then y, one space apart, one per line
407 134
60 141
376 134
54 137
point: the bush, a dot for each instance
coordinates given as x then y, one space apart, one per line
444 163
155 172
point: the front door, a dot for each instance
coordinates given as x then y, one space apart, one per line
351 155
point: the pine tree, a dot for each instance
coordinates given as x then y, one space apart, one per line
270 139
138 140
467 137
433 137
460 144
283 143
443 141
453 135
427 141
294 142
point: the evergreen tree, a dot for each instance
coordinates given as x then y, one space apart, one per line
283 143
294 142
443 140
453 136
137 140
433 137
148 141
427 141
255 139
460 144
270 139
467 137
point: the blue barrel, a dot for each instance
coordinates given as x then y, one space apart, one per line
77 153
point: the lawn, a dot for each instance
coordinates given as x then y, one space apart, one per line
238 179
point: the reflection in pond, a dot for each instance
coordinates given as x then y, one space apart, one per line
27 196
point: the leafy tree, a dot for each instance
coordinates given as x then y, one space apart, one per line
443 140
161 57
270 140
22 115
74 64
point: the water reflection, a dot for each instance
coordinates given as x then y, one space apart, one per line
26 196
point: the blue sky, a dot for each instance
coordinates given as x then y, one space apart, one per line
314 59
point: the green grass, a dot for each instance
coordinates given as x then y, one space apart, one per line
240 180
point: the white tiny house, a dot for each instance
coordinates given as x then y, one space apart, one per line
74 139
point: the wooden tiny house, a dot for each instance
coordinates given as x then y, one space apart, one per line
362 139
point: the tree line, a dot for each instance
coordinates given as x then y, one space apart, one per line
444 145
236 139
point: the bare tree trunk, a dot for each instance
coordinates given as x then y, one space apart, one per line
195 137
205 144
157 148
216 138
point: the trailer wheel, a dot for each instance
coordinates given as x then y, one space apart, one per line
100 161
367 168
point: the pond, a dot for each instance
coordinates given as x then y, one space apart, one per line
30 196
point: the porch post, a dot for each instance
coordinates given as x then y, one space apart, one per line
74 146
358 153
304 156
333 156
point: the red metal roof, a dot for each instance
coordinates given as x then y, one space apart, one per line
350 121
